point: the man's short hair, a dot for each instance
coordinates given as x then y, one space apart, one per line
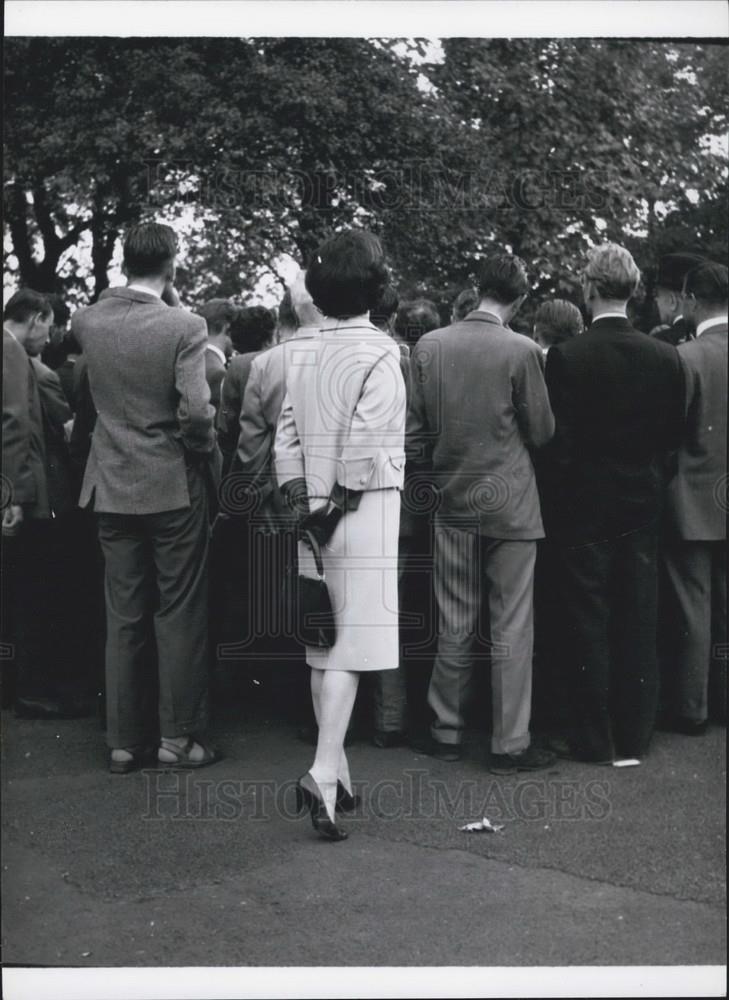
149 248
503 278
558 320
466 302
217 313
708 283
613 271
286 313
415 318
252 328
347 274
24 304
61 312
386 308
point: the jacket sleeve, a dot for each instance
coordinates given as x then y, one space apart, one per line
228 417
16 424
375 442
255 435
531 401
195 415
418 436
288 454
561 447
53 398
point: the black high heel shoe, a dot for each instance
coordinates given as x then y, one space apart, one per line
346 801
308 796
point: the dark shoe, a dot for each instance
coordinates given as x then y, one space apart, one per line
346 803
308 796
564 750
45 708
140 755
181 755
450 752
386 738
531 759
687 727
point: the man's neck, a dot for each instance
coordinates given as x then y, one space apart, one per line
502 313
608 307
154 285
16 330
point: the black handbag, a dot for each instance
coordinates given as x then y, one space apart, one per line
310 606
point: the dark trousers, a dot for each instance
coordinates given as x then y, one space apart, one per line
696 627
156 585
609 601
46 628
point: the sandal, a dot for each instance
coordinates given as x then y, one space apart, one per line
138 756
182 755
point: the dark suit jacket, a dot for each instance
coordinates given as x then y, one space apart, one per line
147 378
478 405
23 443
617 397
231 404
56 412
697 494
676 333
214 373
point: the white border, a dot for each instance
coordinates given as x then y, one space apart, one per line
387 18
242 983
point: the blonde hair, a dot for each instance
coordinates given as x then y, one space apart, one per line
613 271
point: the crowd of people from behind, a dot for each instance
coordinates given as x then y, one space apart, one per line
553 503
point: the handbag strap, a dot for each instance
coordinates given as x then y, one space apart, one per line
316 550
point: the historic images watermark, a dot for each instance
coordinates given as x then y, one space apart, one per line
420 186
414 796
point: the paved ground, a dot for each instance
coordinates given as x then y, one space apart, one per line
595 866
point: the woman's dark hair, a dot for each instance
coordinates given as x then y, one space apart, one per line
382 313
252 329
347 274
149 248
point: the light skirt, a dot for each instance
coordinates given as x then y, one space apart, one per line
360 563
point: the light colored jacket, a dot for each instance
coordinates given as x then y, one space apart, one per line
147 377
343 418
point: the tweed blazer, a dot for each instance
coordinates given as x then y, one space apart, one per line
343 418
478 406
697 494
146 373
231 405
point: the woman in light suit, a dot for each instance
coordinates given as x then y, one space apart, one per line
340 459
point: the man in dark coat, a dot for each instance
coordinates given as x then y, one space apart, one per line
672 270
617 398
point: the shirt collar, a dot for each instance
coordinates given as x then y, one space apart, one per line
143 288
708 323
10 334
609 315
216 350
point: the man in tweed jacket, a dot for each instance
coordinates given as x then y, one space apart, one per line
146 480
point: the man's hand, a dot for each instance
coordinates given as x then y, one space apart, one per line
169 294
12 519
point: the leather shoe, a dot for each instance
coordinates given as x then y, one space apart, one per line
685 726
386 738
449 752
531 759
564 750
